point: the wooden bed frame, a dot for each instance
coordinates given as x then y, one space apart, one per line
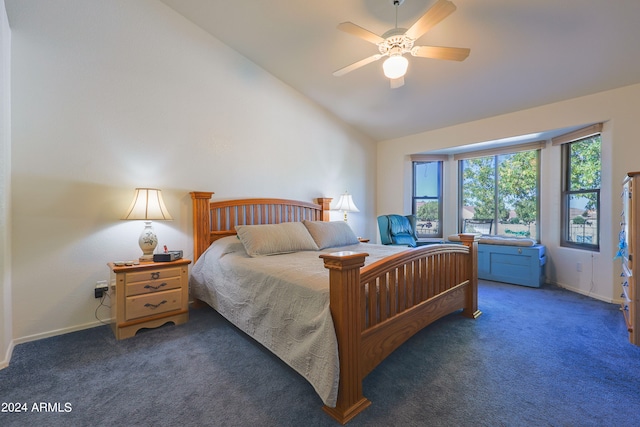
413 288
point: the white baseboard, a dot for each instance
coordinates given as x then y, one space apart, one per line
586 293
7 357
61 331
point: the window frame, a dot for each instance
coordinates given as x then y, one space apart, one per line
495 154
439 198
566 194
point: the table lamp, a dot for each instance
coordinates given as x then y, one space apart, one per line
147 205
345 204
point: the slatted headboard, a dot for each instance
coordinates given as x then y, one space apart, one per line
214 220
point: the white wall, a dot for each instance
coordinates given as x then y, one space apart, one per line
620 153
5 189
113 95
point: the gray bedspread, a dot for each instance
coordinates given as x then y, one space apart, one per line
282 301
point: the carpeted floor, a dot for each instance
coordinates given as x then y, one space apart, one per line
536 357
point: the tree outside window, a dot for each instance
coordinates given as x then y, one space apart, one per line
504 189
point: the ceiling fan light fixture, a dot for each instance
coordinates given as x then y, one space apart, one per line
397 42
395 66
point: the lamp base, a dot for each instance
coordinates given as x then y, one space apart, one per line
148 242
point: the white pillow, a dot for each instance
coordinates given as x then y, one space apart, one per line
273 239
331 234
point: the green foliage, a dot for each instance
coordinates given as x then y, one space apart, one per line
579 220
585 171
516 182
428 211
585 164
478 186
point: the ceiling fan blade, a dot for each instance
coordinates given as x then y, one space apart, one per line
358 31
396 83
435 14
437 52
361 63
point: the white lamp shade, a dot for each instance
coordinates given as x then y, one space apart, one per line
345 204
395 66
148 205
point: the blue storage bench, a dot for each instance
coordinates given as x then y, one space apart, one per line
508 260
520 265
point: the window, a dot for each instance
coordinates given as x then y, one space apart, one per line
427 198
499 192
582 164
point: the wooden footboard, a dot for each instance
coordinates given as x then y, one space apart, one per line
377 308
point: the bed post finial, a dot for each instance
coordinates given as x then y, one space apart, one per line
325 202
201 222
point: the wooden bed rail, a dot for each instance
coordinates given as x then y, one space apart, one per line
377 308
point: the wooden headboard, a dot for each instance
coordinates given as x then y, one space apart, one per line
214 220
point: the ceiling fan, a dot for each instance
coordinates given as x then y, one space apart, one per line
398 41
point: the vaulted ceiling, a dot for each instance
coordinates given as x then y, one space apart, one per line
523 54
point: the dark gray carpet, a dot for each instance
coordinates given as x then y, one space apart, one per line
536 357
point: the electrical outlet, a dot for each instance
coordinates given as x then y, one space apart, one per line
579 266
101 288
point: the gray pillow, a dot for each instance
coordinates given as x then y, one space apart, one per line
331 234
273 239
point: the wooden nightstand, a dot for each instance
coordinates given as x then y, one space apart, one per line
148 295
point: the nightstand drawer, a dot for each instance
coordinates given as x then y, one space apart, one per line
146 275
151 286
150 304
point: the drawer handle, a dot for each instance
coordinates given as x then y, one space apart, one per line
155 275
164 301
156 287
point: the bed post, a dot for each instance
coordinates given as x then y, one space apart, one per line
345 302
471 308
325 202
201 222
